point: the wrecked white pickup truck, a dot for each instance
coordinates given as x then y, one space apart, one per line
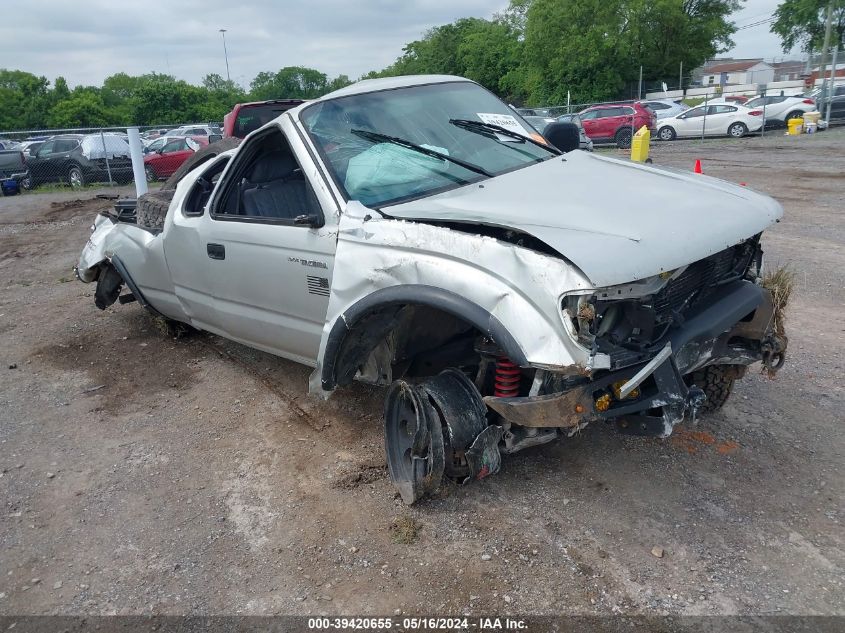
415 232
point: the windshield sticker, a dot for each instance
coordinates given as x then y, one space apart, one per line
506 121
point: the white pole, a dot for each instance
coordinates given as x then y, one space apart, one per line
106 156
137 154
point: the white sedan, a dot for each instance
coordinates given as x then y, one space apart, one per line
780 108
712 120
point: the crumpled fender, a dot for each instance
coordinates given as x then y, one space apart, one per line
94 252
518 287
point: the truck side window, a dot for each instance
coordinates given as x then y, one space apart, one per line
268 184
198 197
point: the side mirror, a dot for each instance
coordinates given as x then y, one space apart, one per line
564 136
308 220
213 138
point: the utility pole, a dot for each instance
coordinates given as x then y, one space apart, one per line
681 77
225 54
827 29
832 90
640 85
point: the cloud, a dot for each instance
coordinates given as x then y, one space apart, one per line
88 40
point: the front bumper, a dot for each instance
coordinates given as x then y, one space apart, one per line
732 329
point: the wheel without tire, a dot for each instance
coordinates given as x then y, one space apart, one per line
413 441
76 177
738 130
150 174
203 155
666 133
623 138
716 381
461 413
152 208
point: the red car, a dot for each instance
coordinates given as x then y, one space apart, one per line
614 122
162 162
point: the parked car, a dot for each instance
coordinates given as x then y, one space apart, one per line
664 108
586 142
730 99
30 147
715 120
79 159
7 144
196 130
410 232
837 103
13 171
248 117
538 122
779 109
163 161
156 144
616 123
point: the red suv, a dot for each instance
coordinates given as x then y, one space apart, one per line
613 123
248 117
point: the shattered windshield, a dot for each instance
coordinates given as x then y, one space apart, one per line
393 145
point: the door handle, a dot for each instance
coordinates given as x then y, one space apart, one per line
216 251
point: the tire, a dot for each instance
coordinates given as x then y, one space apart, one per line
666 133
737 130
75 177
793 115
623 138
716 381
152 208
150 174
203 155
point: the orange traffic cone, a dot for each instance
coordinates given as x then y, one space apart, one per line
697 168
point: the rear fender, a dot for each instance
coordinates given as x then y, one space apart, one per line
138 255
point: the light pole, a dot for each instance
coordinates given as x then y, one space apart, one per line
225 54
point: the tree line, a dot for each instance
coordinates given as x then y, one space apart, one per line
29 102
535 52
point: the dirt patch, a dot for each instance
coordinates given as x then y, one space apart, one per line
360 476
142 361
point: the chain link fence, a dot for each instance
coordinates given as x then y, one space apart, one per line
43 160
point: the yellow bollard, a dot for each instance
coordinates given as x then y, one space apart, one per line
794 126
639 145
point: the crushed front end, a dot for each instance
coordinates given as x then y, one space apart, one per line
649 340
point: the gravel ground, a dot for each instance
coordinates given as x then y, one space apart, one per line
147 475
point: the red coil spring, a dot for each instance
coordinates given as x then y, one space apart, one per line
507 378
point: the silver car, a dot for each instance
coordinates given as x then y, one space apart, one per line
416 233
665 108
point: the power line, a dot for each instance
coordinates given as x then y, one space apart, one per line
754 17
760 23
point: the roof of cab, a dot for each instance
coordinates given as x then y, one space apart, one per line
390 83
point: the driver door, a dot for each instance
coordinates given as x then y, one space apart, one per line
691 122
271 247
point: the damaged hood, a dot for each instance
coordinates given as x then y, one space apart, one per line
618 221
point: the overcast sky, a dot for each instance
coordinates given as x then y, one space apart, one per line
88 40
